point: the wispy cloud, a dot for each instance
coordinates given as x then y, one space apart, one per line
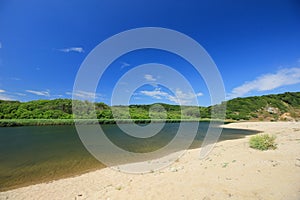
0 45
156 94
72 49
14 79
124 64
149 77
180 97
267 82
39 93
4 96
84 95
20 94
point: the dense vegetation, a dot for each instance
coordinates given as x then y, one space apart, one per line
62 109
269 107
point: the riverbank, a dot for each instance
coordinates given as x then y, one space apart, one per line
37 154
231 171
54 122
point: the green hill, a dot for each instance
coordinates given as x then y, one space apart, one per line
268 108
284 107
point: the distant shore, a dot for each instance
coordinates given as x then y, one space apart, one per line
49 122
231 171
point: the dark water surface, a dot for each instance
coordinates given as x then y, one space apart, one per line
35 154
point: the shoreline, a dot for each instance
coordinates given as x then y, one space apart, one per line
55 122
225 172
21 169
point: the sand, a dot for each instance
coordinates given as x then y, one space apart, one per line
232 170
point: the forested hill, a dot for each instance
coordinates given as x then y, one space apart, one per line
268 108
285 107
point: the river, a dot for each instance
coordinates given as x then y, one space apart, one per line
35 154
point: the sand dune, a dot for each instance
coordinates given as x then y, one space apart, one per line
231 171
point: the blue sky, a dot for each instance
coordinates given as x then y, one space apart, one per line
255 45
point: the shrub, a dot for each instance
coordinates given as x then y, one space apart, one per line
263 142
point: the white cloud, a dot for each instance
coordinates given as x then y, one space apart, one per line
84 94
124 64
72 49
39 93
14 79
267 82
180 97
156 94
3 96
20 94
149 77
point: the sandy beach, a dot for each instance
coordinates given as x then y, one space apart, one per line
232 170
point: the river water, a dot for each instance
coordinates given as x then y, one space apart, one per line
34 154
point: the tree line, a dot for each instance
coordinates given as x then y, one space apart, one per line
258 107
